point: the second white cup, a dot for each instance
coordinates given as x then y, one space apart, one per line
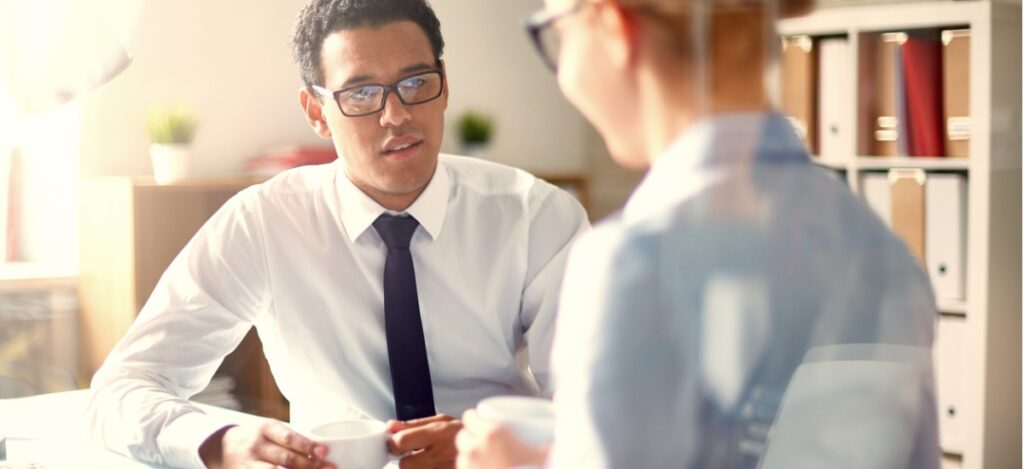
532 419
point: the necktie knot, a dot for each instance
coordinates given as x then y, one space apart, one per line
395 231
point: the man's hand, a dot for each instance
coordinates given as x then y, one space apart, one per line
483 444
267 445
426 443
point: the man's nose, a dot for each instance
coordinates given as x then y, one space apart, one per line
394 113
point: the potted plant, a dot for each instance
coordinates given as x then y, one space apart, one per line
170 136
475 130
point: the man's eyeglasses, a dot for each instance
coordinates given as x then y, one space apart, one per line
545 38
362 100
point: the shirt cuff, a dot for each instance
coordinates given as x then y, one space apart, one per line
179 441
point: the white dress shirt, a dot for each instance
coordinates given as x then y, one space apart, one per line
745 310
297 257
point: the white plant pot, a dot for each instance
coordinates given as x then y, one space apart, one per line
478 150
170 161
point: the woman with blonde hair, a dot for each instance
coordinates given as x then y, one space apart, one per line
744 309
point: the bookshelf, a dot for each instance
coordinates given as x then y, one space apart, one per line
978 359
131 230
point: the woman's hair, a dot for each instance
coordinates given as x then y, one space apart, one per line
786 8
737 21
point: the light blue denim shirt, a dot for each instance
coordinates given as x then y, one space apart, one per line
744 310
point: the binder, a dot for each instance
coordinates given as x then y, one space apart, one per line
875 189
906 189
834 117
950 367
946 234
799 100
900 96
956 91
922 58
884 120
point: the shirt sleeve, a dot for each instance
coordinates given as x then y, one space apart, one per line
557 219
609 361
199 311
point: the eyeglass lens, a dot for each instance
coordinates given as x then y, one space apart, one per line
368 99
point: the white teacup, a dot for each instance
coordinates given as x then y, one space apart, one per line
354 444
532 419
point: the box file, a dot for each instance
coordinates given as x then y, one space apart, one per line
885 122
799 101
875 189
956 91
908 212
950 367
835 138
946 232
922 69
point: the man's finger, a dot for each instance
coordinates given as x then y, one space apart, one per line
427 460
395 426
284 457
424 436
423 421
280 434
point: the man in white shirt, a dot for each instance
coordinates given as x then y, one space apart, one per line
471 255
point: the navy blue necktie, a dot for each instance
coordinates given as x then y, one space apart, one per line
407 351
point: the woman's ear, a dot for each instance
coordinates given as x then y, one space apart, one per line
620 25
313 110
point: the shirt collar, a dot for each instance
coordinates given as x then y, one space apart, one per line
359 211
699 155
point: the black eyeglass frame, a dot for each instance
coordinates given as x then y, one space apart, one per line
542 20
387 90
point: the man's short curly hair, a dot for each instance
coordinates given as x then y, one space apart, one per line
320 18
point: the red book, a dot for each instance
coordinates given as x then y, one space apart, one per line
922 68
289 156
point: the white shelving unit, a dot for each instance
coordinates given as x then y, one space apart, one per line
985 431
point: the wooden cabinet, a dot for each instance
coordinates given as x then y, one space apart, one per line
131 230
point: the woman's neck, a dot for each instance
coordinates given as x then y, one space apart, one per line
672 101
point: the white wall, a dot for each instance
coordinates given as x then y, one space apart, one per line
231 62
492 67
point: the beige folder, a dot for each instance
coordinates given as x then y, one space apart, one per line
956 91
883 123
798 87
907 195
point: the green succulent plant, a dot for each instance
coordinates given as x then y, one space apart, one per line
475 128
172 125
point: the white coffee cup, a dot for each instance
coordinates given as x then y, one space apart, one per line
532 419
354 444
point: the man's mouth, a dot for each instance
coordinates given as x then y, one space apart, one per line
401 147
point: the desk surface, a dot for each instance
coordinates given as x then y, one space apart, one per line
48 431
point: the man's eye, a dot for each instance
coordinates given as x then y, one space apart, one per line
362 93
413 83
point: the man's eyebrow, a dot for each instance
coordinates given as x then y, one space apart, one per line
355 80
358 79
417 68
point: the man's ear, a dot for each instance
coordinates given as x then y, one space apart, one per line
620 25
313 110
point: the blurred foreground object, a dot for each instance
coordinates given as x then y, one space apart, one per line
54 50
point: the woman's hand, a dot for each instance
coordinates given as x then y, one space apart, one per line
483 444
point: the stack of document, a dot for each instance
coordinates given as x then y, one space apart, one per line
220 393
